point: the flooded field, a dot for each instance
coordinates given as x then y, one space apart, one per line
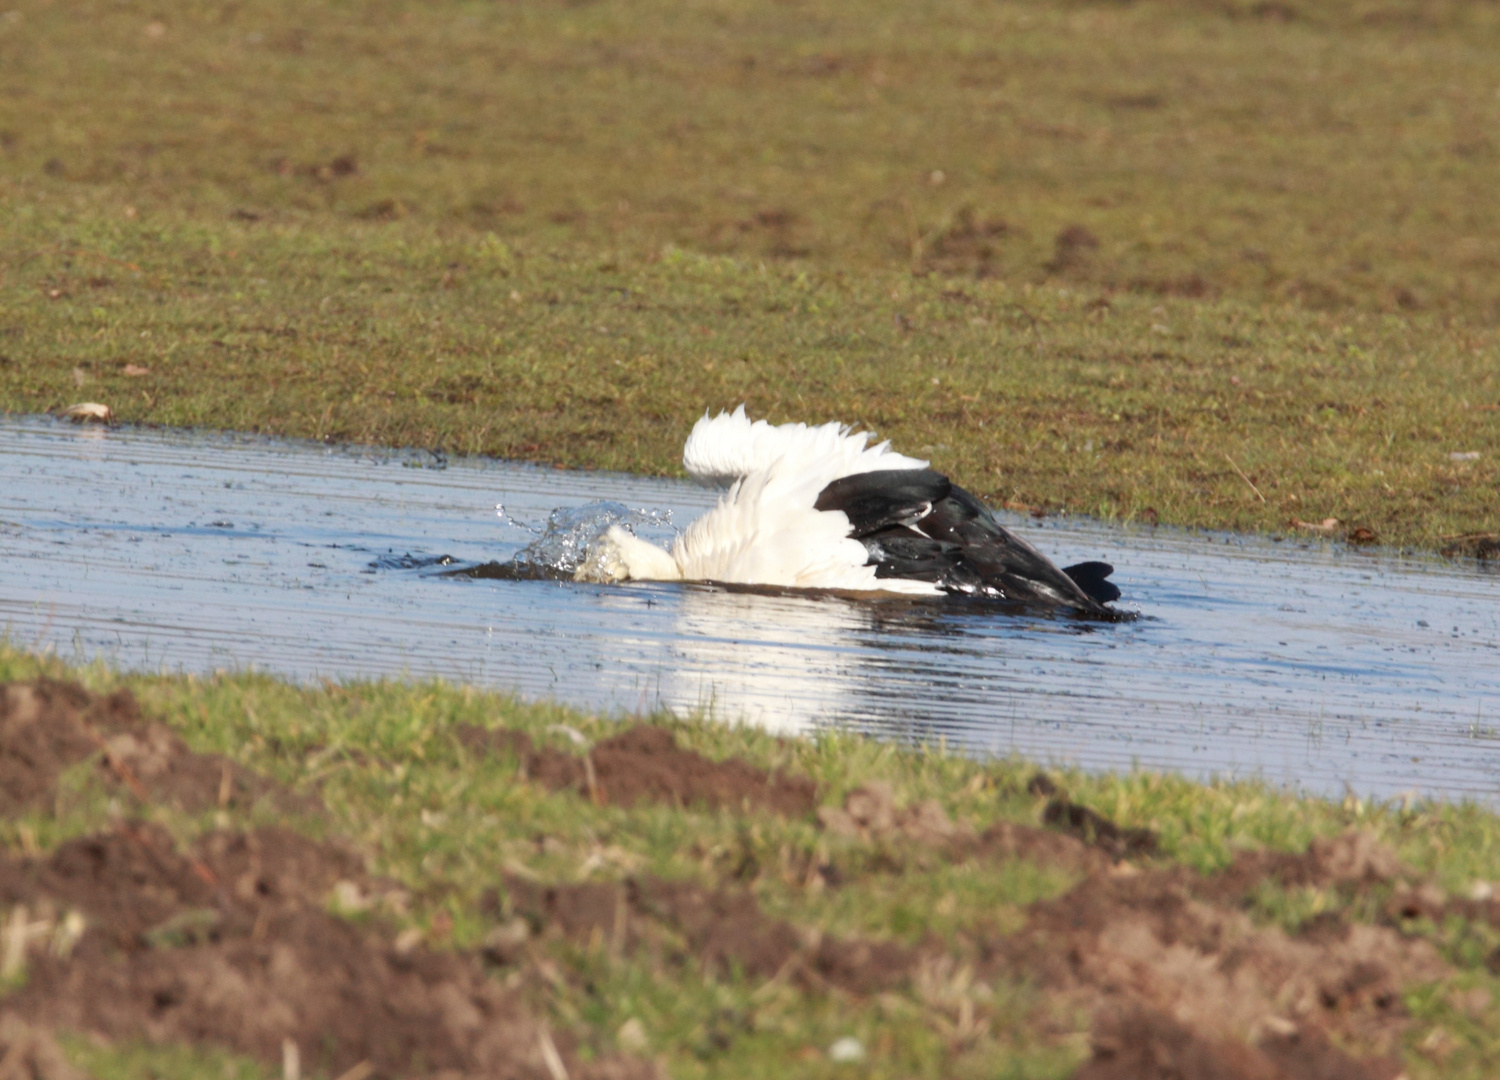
1301 663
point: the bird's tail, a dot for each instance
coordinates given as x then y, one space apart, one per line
1090 577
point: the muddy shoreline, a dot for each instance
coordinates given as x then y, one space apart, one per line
266 940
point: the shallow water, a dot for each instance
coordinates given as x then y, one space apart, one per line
1306 664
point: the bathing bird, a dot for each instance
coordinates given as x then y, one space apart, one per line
819 507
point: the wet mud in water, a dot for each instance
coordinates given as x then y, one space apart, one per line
1302 662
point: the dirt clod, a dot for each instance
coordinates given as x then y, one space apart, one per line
870 813
1143 1044
1350 859
1008 840
31 1053
46 727
1146 940
1099 831
645 764
501 742
42 732
229 943
1071 248
724 931
969 244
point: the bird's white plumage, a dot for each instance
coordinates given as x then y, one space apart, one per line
765 529
728 447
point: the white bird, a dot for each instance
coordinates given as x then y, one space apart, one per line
820 508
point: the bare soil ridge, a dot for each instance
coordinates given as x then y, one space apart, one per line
645 764
46 727
229 942
1179 979
256 938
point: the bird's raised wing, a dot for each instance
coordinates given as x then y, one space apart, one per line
916 524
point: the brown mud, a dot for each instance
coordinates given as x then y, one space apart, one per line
719 931
257 940
1181 982
1078 839
31 1053
230 941
47 727
1179 945
645 764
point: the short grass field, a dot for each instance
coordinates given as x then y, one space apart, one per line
1211 263
1214 264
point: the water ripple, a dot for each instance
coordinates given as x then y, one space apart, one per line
1304 663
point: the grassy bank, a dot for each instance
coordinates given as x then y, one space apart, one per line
1200 413
457 832
1218 265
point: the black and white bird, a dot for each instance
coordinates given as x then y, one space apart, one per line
820 508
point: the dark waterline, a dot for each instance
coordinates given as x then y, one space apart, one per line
1299 663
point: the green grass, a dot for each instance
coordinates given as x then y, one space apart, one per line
1205 262
1336 151
141 1061
561 232
399 787
1147 409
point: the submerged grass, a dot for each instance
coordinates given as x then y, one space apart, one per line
1216 264
399 786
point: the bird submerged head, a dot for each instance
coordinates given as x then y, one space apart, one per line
618 555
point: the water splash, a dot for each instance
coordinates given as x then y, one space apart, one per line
507 518
562 542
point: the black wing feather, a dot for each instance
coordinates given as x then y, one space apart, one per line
918 525
900 552
877 500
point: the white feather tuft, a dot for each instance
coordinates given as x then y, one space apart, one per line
729 447
765 529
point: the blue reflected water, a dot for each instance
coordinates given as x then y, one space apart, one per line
1306 664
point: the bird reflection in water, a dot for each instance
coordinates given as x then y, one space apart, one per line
793 661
